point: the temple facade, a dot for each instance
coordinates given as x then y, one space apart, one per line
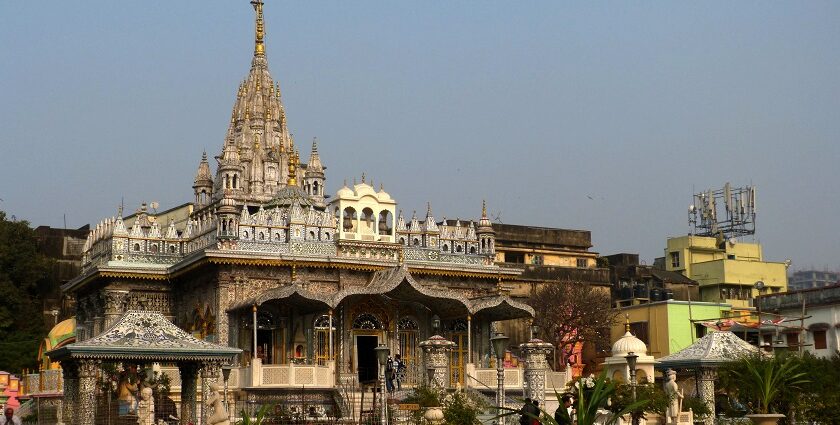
263 260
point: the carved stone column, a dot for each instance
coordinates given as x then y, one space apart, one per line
436 356
81 318
706 383
536 365
70 373
86 411
189 381
115 302
210 374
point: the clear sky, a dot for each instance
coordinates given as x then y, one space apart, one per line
602 116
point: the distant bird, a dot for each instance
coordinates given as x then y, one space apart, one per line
589 197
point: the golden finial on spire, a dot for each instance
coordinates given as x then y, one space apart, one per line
293 161
483 208
259 45
626 323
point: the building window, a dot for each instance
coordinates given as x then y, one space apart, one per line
582 263
820 340
675 259
640 330
793 341
514 257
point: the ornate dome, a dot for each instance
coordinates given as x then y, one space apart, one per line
629 344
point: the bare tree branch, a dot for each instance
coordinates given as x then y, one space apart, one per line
569 313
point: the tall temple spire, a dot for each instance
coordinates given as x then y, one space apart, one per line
259 44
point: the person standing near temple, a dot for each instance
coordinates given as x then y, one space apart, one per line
399 371
389 375
9 417
563 414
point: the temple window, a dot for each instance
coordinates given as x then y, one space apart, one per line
472 250
137 247
367 321
349 219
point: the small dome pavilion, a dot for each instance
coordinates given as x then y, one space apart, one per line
616 365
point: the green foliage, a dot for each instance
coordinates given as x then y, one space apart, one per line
22 270
594 393
697 405
459 409
425 396
591 394
819 399
761 380
258 419
655 400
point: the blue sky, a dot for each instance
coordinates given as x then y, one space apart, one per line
535 106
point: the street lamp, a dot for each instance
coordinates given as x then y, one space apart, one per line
435 324
631 364
226 368
500 342
382 352
759 286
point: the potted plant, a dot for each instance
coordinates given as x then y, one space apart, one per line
760 380
429 399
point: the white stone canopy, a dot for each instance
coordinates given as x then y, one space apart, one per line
713 350
144 335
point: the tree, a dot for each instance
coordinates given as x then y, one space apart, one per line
569 313
22 270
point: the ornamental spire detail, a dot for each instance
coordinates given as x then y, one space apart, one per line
259 44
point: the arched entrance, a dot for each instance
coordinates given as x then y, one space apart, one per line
367 329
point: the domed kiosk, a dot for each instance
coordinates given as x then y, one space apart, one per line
616 365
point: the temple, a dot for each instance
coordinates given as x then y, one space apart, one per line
305 284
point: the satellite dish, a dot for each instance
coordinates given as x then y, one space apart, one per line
759 285
691 208
732 241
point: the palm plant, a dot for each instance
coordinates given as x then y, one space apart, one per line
593 393
762 379
258 419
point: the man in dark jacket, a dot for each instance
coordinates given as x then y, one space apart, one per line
563 414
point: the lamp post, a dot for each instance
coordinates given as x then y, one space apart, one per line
226 375
382 352
631 364
500 342
759 286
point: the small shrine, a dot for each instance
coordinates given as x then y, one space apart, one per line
616 365
139 338
704 357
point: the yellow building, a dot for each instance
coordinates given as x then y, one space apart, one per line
727 270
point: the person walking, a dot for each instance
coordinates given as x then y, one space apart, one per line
389 375
399 371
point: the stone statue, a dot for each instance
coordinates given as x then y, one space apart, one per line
146 408
675 396
220 414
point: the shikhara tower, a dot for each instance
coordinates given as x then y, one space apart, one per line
254 161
